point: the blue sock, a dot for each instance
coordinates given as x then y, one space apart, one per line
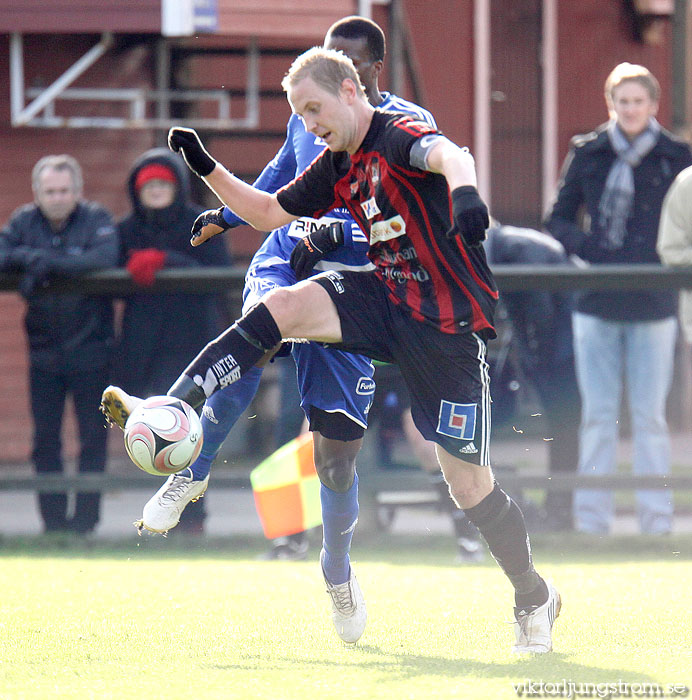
221 411
339 516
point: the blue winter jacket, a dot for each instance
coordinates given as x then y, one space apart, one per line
67 332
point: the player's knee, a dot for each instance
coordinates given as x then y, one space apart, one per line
466 495
280 301
468 483
336 473
269 355
337 440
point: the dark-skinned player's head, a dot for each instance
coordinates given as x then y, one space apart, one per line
363 42
361 28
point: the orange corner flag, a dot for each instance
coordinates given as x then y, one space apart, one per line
287 489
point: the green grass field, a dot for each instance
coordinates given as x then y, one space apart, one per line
154 618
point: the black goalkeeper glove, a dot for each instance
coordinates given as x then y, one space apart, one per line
470 216
209 223
312 248
187 143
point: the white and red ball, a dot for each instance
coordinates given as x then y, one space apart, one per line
163 435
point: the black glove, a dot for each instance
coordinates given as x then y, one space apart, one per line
212 217
187 143
470 216
312 248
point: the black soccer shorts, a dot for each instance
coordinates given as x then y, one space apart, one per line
446 375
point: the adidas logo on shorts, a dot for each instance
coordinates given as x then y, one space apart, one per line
469 449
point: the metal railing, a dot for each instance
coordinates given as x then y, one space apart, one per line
508 277
377 480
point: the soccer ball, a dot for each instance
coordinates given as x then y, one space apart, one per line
163 435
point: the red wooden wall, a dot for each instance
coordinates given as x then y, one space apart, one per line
593 36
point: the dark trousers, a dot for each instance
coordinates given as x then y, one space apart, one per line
559 395
48 396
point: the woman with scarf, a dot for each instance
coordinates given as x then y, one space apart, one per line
606 211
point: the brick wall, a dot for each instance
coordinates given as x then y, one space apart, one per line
14 407
106 157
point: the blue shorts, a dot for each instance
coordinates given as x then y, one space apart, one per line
329 379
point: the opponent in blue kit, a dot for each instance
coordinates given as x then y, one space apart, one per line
426 305
336 388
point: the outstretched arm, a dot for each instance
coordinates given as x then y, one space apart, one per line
280 170
260 209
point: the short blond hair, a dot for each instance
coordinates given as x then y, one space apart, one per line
326 67
631 72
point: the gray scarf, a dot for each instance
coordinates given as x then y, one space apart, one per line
616 201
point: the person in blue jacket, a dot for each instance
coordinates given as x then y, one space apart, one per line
336 387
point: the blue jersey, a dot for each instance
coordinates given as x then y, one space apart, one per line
328 379
297 152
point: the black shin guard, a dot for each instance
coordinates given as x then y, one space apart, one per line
226 359
259 328
501 523
186 390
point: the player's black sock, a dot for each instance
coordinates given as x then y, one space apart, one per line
501 523
186 390
536 597
226 359
259 328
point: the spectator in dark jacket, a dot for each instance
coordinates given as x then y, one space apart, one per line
607 211
70 335
160 332
541 343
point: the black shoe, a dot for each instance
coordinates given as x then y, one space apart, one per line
55 529
82 531
469 550
288 549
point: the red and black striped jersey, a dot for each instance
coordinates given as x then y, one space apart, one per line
406 213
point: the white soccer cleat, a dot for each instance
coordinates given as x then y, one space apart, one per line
533 628
163 510
348 608
117 405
